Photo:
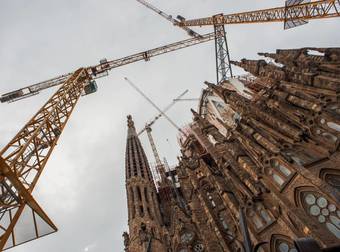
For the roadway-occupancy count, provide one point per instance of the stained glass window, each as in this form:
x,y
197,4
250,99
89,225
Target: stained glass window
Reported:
x,y
324,211
281,172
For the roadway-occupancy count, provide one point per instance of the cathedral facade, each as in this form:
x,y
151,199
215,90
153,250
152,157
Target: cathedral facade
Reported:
x,y
264,146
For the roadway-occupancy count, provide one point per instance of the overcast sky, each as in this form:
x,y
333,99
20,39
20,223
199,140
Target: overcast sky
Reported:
x,y
82,188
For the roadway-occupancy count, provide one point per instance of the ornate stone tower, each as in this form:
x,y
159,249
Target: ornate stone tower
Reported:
x,y
145,224
266,145
272,151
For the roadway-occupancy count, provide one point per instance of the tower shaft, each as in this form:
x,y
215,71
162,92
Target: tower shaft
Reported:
x,y
145,223
223,66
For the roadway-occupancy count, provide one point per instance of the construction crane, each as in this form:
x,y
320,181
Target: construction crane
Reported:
x,y
223,65
101,70
148,130
154,105
164,111
160,167
294,13
24,158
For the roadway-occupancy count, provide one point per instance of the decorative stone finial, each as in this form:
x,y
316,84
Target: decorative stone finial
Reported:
x,y
130,122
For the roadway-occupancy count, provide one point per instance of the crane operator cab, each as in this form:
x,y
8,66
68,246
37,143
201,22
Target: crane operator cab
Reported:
x,y
90,87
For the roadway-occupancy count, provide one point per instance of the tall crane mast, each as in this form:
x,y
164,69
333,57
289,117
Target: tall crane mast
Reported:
x,y
223,64
23,160
222,56
294,13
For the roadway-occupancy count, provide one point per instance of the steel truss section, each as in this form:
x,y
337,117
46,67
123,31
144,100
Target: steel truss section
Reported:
x,y
223,66
23,160
102,69
33,89
304,11
146,55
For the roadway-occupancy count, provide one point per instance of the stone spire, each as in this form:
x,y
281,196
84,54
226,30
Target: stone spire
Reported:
x,y
145,231
137,164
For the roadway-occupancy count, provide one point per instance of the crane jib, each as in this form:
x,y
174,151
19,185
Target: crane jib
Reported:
x,y
104,66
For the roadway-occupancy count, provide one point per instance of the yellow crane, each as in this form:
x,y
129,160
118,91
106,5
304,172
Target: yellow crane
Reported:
x,y
223,66
23,159
294,13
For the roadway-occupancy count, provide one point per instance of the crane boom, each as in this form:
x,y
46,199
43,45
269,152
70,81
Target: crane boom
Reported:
x,y
23,159
289,13
294,10
102,69
154,105
33,89
169,18
149,124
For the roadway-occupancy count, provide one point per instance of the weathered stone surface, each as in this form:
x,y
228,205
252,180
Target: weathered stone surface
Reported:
x,y
274,152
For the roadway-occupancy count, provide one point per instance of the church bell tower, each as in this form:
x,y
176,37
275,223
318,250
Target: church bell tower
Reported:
x,y
145,223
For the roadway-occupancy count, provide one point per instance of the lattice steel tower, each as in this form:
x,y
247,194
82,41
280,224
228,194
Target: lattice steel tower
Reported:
x,y
223,66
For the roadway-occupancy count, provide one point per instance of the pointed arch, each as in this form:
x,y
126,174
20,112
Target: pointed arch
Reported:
x,y
320,208
259,217
281,243
281,172
331,177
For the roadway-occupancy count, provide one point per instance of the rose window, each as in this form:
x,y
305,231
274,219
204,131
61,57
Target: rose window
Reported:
x,y
325,212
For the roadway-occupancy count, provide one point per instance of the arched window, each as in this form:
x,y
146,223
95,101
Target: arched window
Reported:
x,y
259,217
133,210
281,172
139,194
223,217
321,209
146,194
281,243
331,177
